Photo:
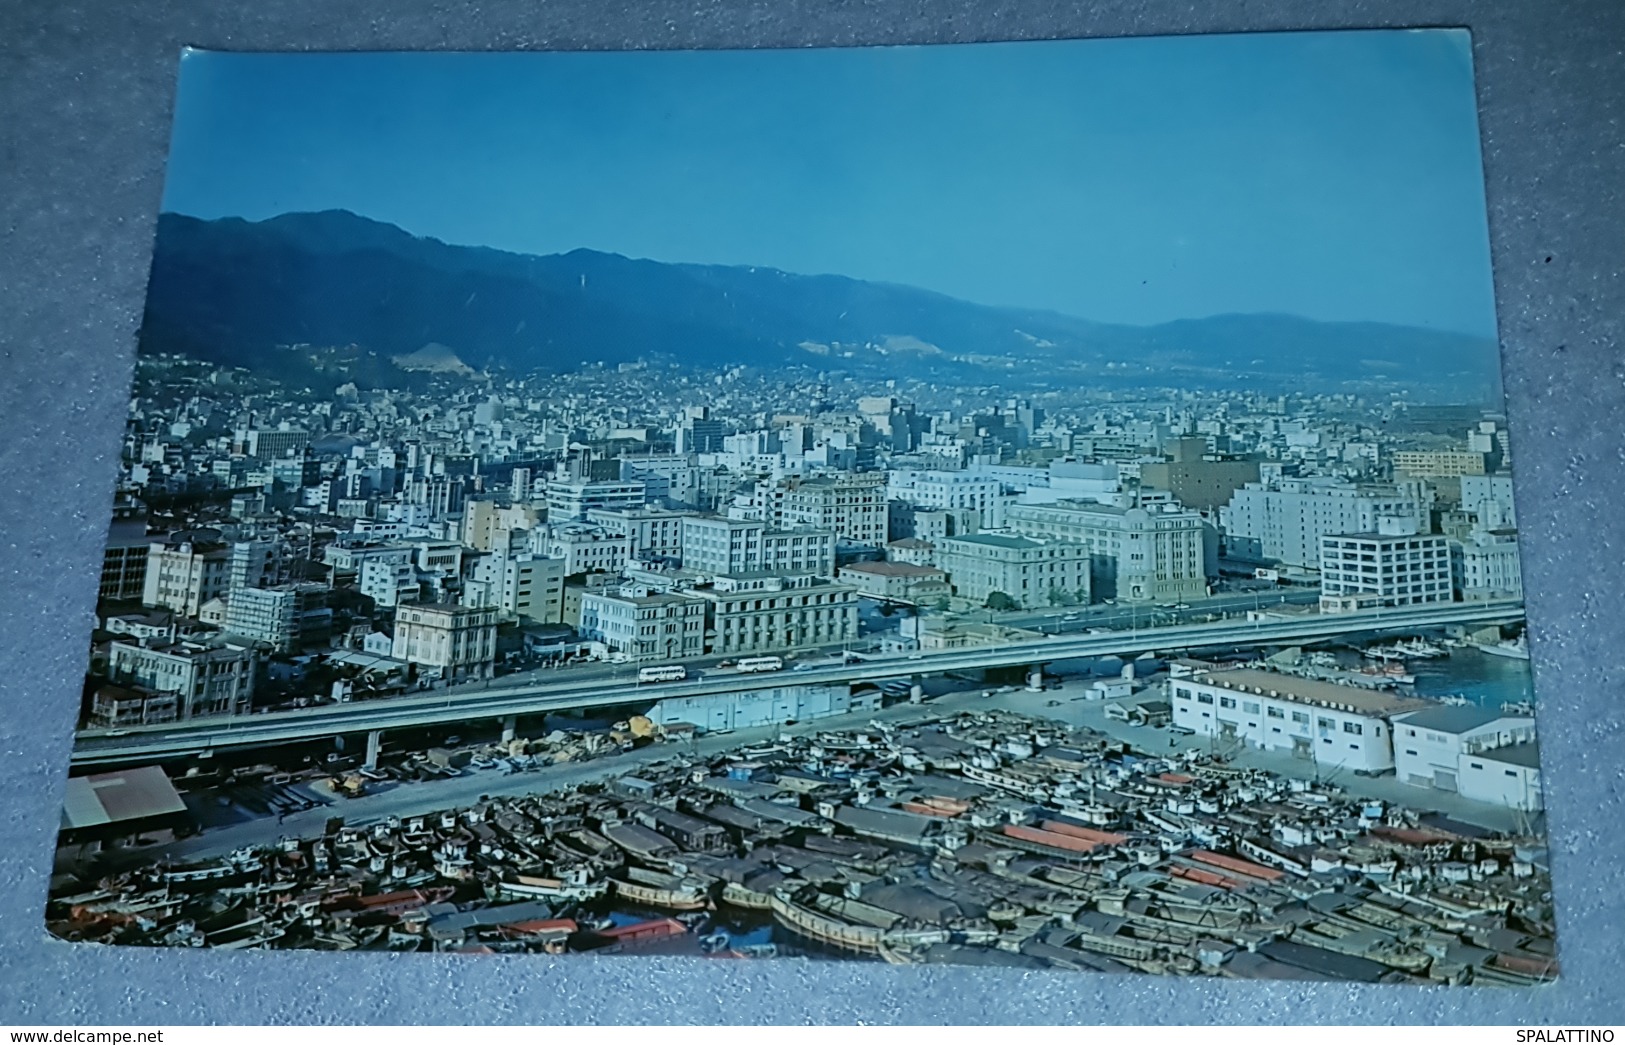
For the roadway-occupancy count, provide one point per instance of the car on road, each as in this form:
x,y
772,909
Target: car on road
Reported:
x,y
1052,703
1184,731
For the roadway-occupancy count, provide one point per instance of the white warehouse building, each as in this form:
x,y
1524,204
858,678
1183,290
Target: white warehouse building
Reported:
x,y
1333,726
1430,745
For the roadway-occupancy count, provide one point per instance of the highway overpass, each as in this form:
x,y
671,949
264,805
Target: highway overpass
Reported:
x,y
499,701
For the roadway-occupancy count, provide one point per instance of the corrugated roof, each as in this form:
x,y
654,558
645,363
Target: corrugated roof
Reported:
x,y
1455,718
128,794
1526,754
1310,691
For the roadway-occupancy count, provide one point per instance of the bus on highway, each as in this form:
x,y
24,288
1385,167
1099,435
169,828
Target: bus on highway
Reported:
x,y
750,664
671,673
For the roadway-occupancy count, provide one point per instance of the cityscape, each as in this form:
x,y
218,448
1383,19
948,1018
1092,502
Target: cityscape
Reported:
x,y
475,600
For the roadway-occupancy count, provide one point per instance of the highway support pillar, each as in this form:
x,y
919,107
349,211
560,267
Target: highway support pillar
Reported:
x,y
510,729
375,743
916,693
1035,680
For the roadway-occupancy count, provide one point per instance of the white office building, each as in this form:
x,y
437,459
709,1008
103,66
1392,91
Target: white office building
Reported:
x,y
1031,572
1485,565
739,546
1283,521
640,625
572,500
1394,566
584,548
1136,554
454,643
981,494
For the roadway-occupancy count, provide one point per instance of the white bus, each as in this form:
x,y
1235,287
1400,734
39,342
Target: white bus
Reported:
x,y
674,673
750,664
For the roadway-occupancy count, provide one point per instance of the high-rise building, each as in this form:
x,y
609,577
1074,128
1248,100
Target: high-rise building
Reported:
x,y
699,432
530,587
1393,565
283,617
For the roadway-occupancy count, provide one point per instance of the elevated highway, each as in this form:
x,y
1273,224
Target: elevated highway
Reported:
x,y
499,701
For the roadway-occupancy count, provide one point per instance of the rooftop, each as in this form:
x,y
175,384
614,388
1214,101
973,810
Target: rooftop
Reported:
x,y
1312,691
994,540
1526,754
1451,718
129,794
892,569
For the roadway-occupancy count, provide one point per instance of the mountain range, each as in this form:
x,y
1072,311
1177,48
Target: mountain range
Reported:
x,y
233,291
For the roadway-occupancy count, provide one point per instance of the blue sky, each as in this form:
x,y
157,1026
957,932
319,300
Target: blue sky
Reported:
x,y
1332,175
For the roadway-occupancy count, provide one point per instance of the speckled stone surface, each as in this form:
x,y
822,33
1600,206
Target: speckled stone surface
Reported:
x,y
85,92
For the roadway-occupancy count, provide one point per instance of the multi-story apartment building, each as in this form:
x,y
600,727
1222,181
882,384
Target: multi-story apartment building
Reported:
x,y
1135,554
455,643
983,495
530,587
184,574
206,679
487,524
768,613
1030,572
571,500
282,617
585,548
391,580
736,546
1437,463
853,507
1394,566
656,533
641,625
1283,521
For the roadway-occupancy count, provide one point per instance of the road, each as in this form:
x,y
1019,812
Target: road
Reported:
x,y
1063,621
417,799
505,698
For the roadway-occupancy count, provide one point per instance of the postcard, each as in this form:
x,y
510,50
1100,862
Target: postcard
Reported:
x,y
1042,505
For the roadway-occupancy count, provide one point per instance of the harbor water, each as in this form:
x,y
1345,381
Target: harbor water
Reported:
x,y
1484,679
